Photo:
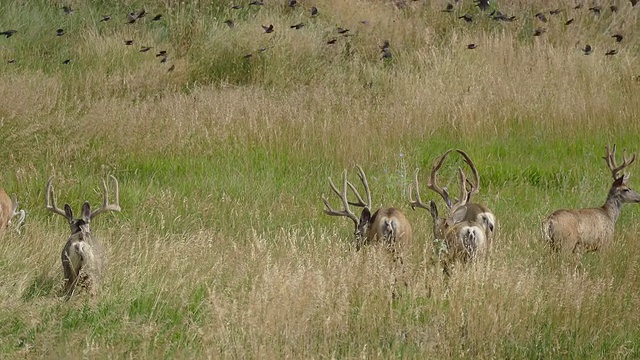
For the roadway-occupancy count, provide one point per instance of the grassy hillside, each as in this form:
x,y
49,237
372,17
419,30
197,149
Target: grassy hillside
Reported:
x,y
222,249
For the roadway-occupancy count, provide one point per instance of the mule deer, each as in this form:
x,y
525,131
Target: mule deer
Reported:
x,y
584,230
9,209
82,256
467,229
386,225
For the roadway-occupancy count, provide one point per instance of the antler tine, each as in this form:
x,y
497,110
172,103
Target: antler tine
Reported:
x,y
610,158
465,196
343,196
105,204
50,199
475,188
361,202
417,202
433,185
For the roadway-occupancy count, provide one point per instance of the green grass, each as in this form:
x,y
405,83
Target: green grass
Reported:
x,y
222,249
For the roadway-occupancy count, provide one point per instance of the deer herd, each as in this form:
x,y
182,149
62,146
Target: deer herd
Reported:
x,y
465,232
462,234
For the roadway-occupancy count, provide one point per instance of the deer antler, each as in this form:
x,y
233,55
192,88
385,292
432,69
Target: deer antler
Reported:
x,y
361,202
417,202
610,158
474,187
105,204
343,196
50,200
437,163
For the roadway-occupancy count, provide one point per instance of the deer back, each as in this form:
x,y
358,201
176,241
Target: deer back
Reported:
x,y
578,230
387,225
474,212
466,241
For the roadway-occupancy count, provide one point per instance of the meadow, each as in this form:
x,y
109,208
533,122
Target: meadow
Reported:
x,y
222,249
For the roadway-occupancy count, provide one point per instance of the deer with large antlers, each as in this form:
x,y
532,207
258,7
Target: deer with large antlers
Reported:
x,y
584,230
467,229
82,256
386,225
9,209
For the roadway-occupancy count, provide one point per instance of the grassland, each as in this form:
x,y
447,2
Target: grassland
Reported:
x,y
222,249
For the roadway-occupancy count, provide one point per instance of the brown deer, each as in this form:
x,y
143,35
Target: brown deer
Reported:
x,y
466,231
82,256
584,230
9,209
386,225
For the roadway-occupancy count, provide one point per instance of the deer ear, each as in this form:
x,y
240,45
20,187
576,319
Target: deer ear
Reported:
x,y
86,212
68,212
458,215
433,209
622,180
365,216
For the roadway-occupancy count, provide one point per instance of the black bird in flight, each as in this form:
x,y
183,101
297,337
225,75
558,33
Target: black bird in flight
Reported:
x,y
8,33
541,17
268,29
539,31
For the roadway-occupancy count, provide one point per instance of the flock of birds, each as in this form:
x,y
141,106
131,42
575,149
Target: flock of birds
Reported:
x,y
487,9
131,18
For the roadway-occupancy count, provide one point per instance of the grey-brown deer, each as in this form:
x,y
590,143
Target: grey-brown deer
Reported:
x,y
387,225
82,256
9,209
583,230
467,229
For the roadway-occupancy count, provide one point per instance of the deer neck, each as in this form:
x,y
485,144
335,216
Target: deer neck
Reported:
x,y
612,207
